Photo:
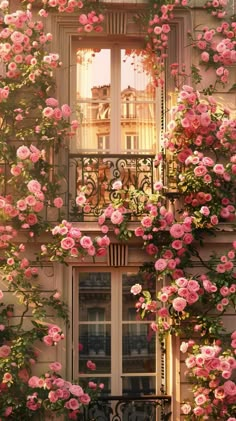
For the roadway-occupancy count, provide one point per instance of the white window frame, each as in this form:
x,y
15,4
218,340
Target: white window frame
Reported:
x,y
116,118
116,321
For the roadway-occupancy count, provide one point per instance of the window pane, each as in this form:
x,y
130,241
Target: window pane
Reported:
x,y
139,348
93,101
138,385
94,296
95,321
148,282
96,346
138,102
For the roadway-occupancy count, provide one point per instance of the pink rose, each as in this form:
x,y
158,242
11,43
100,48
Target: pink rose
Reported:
x,y
48,340
58,202
219,169
91,365
179,303
205,56
186,408
66,111
73,404
23,152
117,185
86,242
205,211
85,399
5,350
55,366
200,171
76,390
230,388
34,186
139,232
177,231
136,289
160,264
33,381
80,199
184,347
117,217
67,243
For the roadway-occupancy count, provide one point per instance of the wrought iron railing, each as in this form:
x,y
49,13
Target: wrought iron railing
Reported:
x,y
130,408
98,173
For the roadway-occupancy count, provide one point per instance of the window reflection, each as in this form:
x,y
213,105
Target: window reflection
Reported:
x,y
94,321
106,78
139,385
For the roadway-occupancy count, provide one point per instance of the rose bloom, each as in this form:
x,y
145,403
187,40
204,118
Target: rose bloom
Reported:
x,y
67,243
91,365
184,347
66,111
136,289
33,381
205,210
181,282
85,399
80,199
5,350
72,404
219,169
23,152
55,366
177,231
200,399
160,264
154,327
76,390
139,232
117,185
75,232
230,388
190,361
179,304
146,222
7,378
200,171
48,340
198,411
86,242
186,408
34,186
58,202
208,352
117,217
151,249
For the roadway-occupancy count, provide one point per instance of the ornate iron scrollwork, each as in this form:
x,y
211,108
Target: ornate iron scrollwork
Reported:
x,y
131,408
97,173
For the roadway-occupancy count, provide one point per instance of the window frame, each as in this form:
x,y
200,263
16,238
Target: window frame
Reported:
x,y
116,113
117,374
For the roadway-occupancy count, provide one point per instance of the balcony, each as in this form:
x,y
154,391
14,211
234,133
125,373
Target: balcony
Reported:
x,y
131,408
98,172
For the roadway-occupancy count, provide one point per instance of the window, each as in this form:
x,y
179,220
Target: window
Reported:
x,y
113,96
103,143
132,142
108,331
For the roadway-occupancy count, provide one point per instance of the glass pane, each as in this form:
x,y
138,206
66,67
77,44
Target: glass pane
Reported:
x,y
139,348
95,296
105,383
93,96
138,102
128,300
139,385
95,345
